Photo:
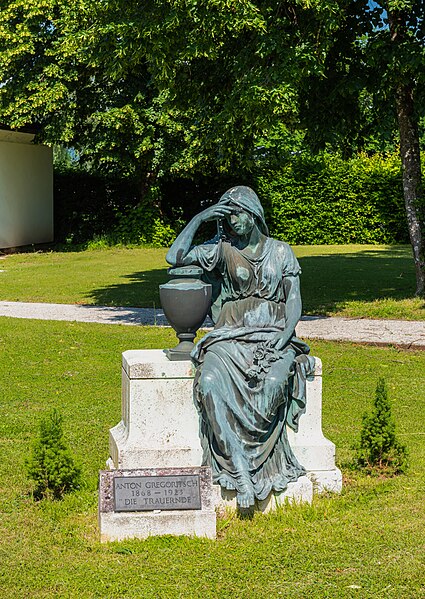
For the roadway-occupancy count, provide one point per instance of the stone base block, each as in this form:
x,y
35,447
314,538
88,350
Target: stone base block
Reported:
x,y
326,480
134,448
118,526
115,524
297,492
314,454
160,428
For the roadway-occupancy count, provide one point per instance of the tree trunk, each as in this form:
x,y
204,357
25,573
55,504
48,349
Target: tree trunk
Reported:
x,y
410,157
412,180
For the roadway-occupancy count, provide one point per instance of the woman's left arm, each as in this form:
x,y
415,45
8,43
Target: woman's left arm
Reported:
x,y
293,308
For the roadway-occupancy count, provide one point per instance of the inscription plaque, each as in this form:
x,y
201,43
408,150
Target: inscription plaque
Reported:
x,y
147,493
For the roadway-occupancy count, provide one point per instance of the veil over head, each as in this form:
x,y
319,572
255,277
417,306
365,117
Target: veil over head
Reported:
x,y
244,197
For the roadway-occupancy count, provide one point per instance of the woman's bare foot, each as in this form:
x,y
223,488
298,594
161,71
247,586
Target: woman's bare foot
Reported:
x,y
245,493
245,500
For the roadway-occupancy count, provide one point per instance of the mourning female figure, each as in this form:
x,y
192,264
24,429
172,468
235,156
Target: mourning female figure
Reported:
x,y
251,368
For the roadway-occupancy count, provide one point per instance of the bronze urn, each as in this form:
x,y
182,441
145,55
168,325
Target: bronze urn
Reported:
x,y
185,300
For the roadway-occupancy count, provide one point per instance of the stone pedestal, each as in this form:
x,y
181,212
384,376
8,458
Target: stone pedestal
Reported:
x,y
158,433
159,428
310,446
300,491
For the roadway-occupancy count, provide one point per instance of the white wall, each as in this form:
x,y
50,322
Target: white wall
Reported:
x,y
26,191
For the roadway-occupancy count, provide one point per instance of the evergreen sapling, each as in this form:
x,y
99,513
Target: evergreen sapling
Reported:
x,y
50,464
379,450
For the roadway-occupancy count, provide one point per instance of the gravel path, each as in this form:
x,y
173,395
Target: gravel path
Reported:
x,y
379,332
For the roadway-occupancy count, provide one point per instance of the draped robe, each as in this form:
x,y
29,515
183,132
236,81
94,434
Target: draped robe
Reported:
x,y
246,392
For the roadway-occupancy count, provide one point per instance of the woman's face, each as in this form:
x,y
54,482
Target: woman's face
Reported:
x,y
240,221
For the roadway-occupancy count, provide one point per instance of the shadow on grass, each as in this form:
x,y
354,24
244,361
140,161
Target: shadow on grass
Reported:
x,y
329,281
142,290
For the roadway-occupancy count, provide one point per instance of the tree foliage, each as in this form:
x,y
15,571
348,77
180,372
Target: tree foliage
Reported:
x,y
353,104
63,69
178,85
187,85
373,91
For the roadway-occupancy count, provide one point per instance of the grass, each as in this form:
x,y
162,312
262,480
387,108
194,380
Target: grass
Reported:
x,y
354,281
367,542
112,277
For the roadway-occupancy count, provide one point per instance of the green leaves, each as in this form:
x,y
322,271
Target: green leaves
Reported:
x,y
191,86
212,76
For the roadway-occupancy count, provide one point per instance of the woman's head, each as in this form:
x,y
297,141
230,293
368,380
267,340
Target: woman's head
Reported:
x,y
240,221
245,201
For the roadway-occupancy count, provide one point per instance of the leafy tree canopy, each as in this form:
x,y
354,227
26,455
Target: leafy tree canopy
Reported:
x,y
177,85
181,84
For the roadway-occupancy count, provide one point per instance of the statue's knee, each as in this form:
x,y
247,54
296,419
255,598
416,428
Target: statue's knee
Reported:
x,y
207,382
273,383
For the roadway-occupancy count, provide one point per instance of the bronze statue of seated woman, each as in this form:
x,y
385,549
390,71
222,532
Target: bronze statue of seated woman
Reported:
x,y
251,368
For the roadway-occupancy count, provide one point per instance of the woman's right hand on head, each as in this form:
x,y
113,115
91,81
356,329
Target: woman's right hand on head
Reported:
x,y
215,212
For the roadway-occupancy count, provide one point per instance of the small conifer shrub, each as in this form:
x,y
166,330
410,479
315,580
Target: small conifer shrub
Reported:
x,y
50,464
379,451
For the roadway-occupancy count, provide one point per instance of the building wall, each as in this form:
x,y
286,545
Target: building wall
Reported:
x,y
26,191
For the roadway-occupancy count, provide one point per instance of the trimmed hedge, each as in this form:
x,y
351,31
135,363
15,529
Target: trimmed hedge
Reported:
x,y
99,210
309,200
86,204
328,200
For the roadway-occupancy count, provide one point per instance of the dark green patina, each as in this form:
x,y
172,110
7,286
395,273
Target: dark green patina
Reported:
x,y
251,368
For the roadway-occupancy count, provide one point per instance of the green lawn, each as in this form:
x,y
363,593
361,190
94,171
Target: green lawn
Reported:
x,y
358,281
367,542
111,277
